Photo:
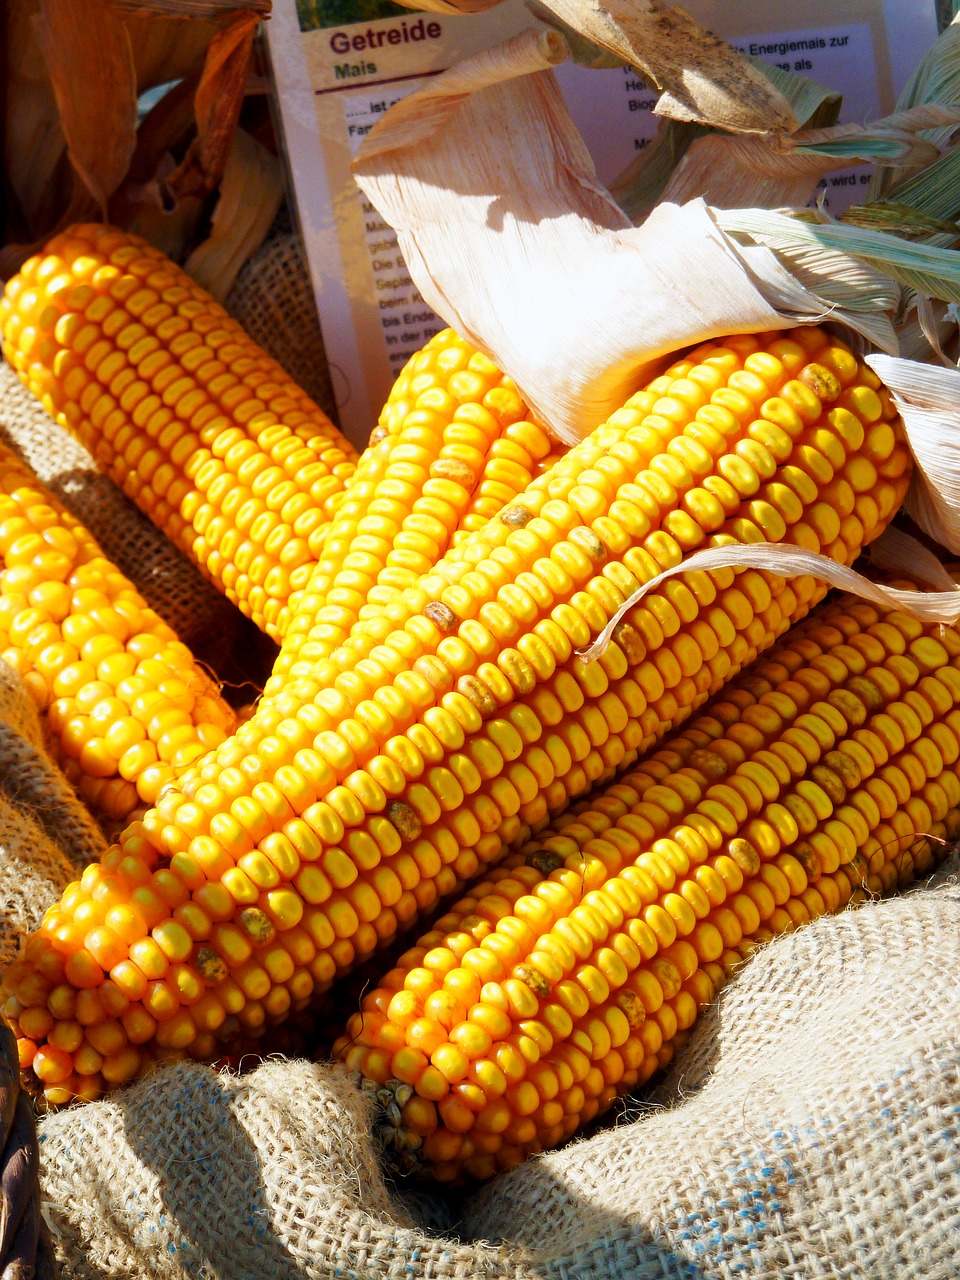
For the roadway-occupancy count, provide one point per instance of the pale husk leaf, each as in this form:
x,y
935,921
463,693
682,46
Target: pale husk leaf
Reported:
x,y
643,183
942,606
784,169
927,268
509,236
88,53
897,554
251,193
928,399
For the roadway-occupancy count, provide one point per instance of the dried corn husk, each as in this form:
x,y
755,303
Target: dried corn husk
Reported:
x,y
98,112
928,397
217,104
643,183
251,193
510,238
701,78
33,142
71,145
785,168
936,79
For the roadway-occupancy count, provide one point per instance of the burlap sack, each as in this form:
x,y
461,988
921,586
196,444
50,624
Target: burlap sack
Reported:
x,y
200,615
809,1129
272,299
46,835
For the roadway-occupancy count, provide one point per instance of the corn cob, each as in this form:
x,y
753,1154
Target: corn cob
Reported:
x,y
194,422
125,705
452,448
463,1137
820,466
831,767
370,783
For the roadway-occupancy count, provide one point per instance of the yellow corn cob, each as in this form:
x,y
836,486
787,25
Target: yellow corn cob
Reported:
x,y
204,431
369,783
533,1098
125,704
785,437
639,694
452,447
554,986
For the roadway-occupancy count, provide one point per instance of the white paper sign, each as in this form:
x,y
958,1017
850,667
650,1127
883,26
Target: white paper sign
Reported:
x,y
334,79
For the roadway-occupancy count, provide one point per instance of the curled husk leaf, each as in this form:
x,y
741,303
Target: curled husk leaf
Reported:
x,y
894,552
510,237
927,397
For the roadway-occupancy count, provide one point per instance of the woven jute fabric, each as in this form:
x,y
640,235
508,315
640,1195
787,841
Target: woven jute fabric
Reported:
x,y
192,606
809,1129
272,299
47,837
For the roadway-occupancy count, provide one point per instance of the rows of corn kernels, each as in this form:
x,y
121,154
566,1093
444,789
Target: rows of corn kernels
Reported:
x,y
624,829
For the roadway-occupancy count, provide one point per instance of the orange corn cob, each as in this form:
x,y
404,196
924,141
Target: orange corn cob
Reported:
x,y
125,704
555,984
369,783
194,422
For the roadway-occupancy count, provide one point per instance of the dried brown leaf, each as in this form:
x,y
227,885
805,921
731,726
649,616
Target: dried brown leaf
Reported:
x,y
88,53
702,78
191,8
165,50
217,105
450,6
35,178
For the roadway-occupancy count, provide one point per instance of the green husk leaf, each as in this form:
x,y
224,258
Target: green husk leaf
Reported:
x,y
813,104
936,79
877,148
899,220
935,190
928,269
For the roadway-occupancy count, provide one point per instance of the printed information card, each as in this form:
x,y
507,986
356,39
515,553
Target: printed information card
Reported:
x,y
338,65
